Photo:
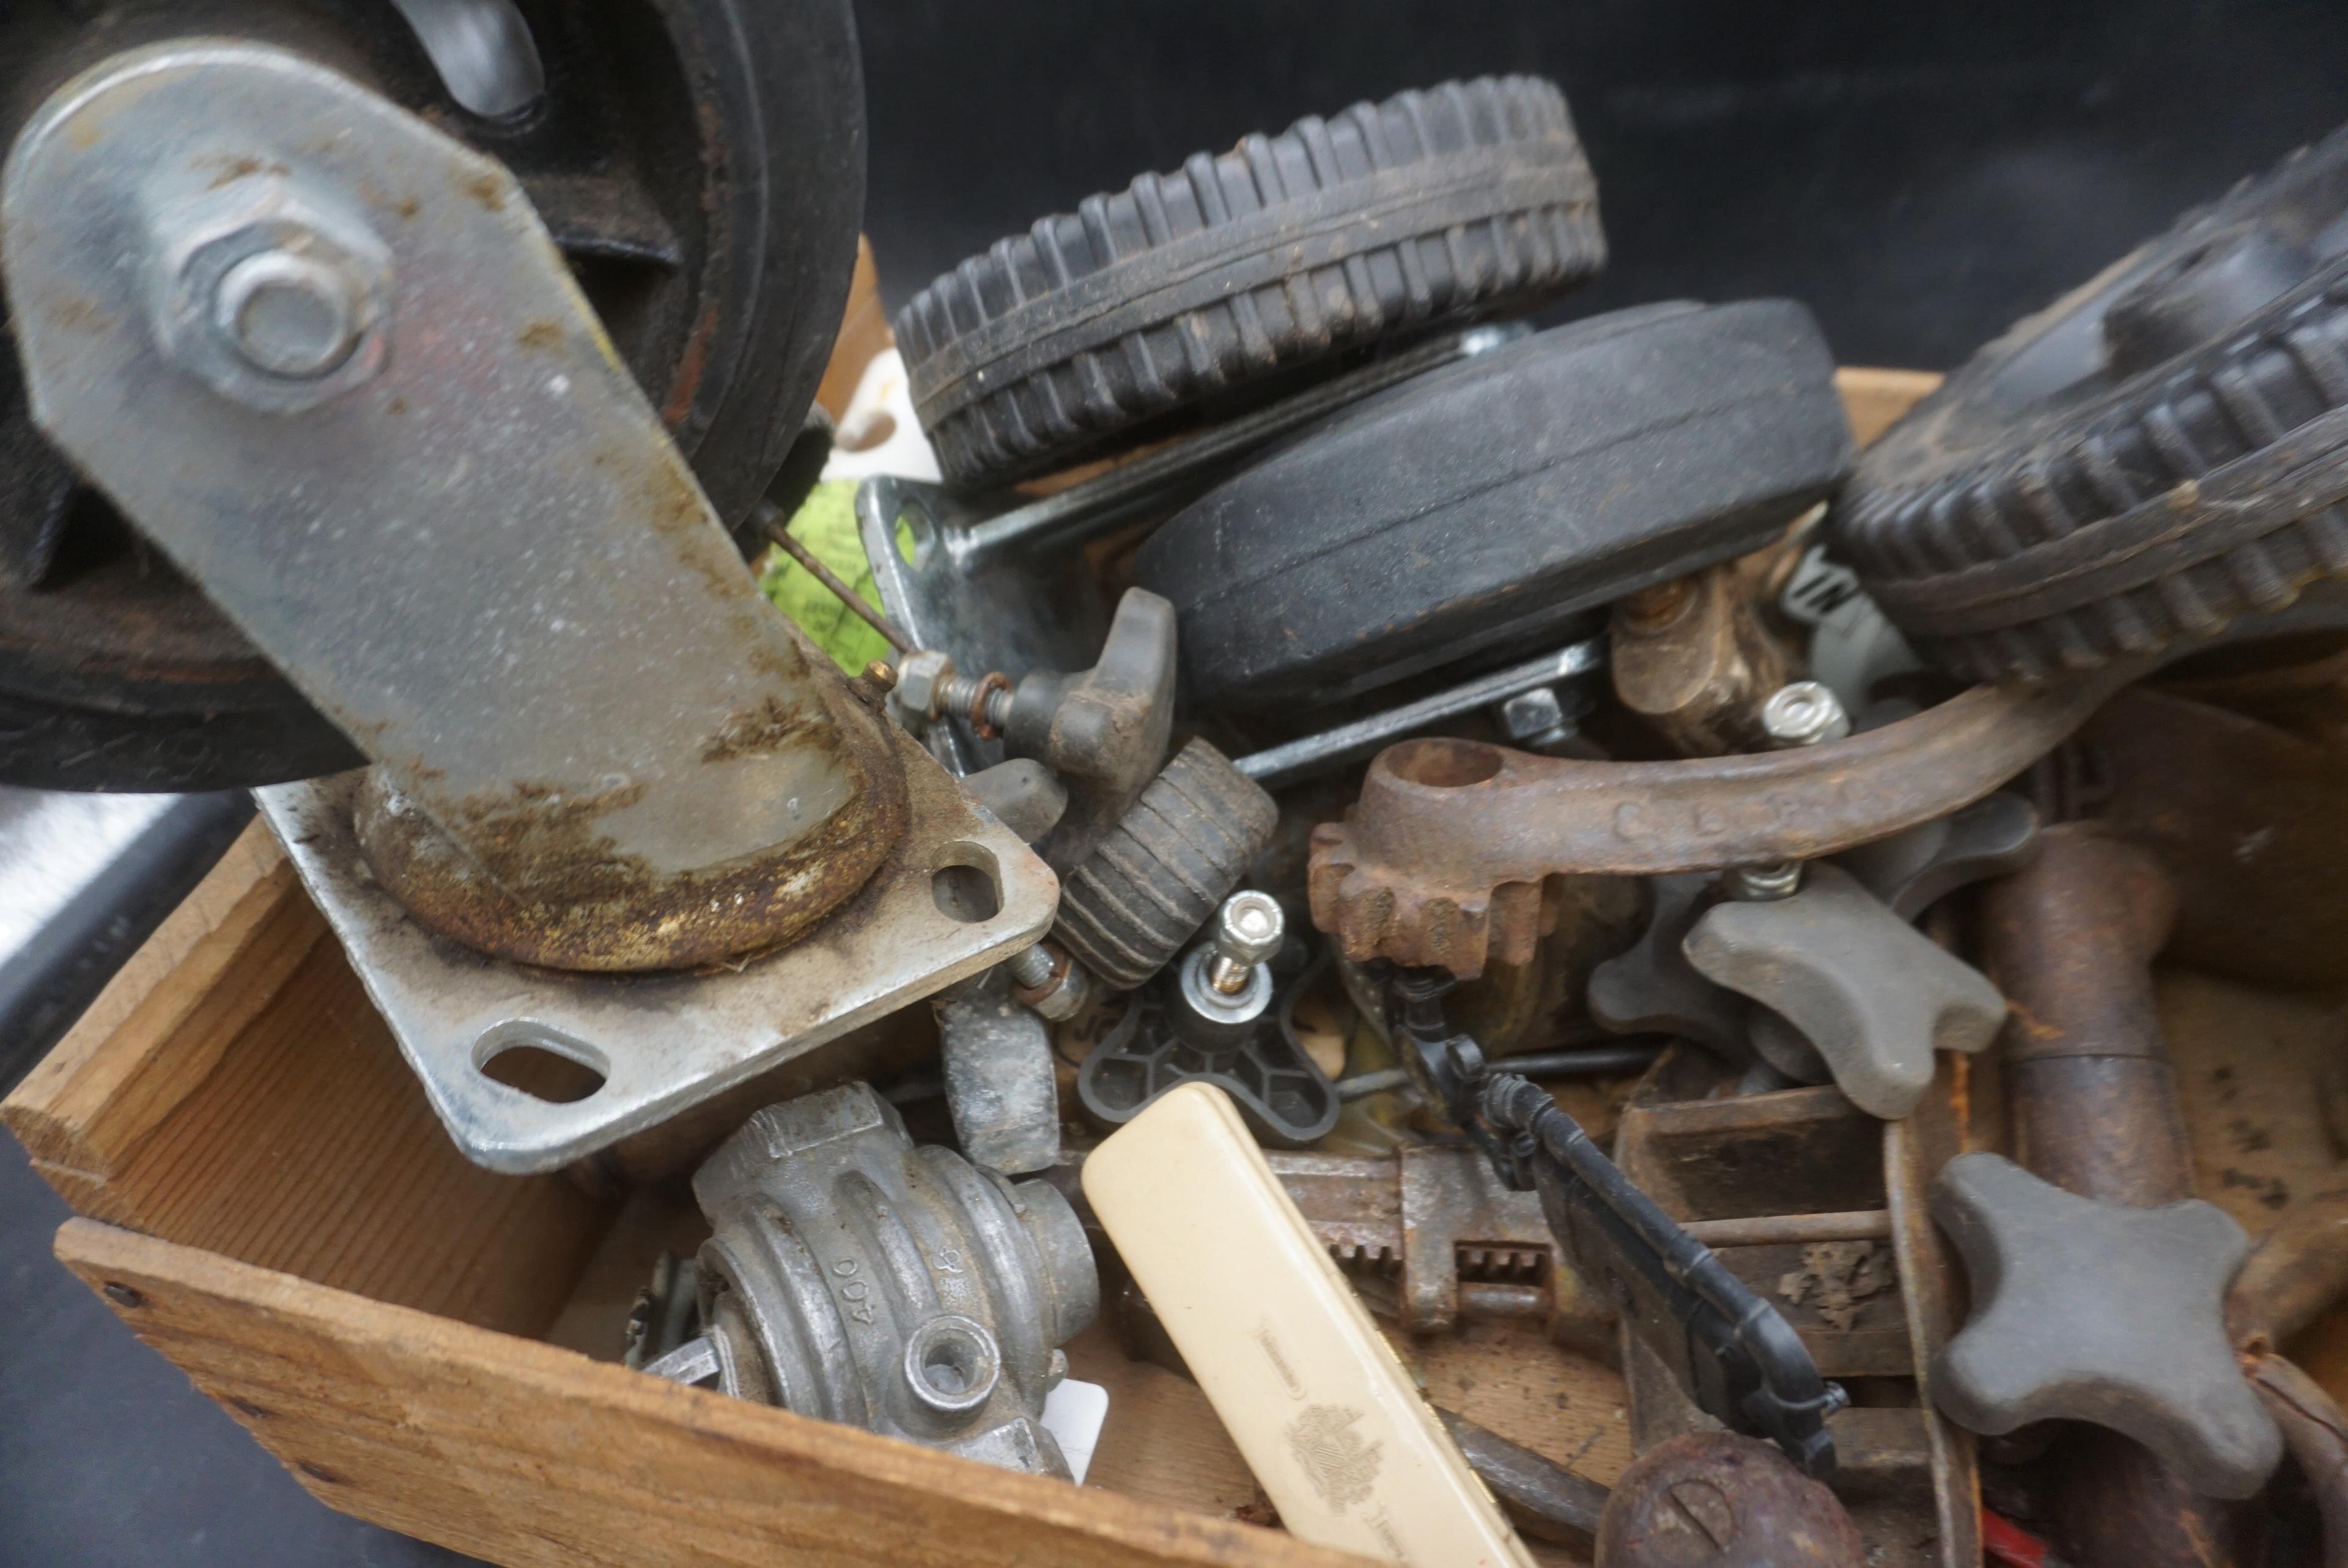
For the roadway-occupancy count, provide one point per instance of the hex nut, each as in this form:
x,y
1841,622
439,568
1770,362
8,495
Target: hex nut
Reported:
x,y
273,298
1049,983
922,679
1249,927
1530,714
1804,713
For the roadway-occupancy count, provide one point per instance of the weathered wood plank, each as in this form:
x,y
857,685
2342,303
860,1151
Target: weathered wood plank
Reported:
x,y
539,1458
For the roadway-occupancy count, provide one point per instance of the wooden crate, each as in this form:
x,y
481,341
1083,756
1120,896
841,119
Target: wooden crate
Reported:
x,y
265,1198
264,1195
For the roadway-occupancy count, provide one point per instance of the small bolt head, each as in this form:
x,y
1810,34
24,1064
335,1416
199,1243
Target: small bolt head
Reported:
x,y
1249,927
275,300
1530,713
1763,883
1805,713
922,678
289,315
1653,609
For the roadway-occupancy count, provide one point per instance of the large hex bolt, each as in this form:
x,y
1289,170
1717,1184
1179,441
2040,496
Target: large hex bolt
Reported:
x,y
273,297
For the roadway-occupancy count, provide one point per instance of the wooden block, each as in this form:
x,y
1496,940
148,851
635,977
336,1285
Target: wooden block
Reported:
x,y
1875,398
538,1457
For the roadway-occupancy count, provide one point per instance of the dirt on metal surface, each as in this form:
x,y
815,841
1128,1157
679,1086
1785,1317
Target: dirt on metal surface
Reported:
x,y
586,905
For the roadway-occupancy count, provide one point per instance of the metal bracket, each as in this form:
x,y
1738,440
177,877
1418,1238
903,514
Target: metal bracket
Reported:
x,y
961,892
1002,589
1315,754
327,358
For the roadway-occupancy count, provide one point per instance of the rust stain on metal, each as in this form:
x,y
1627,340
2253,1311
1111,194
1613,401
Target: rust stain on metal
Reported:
x,y
486,192
542,336
1442,859
691,366
1836,1277
550,885
233,170
767,726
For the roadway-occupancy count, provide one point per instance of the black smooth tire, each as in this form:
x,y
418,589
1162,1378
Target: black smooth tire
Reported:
x,y
700,163
1467,199
1485,505
2162,449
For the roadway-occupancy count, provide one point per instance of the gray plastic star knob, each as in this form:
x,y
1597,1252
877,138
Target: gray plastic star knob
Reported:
x,y
1874,995
2098,1312
1913,870
1652,989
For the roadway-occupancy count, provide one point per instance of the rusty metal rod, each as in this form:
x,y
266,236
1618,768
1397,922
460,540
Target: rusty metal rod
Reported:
x,y
771,522
2069,940
1776,1230
1545,1500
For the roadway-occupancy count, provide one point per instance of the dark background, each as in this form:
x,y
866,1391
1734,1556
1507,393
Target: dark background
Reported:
x,y
1919,174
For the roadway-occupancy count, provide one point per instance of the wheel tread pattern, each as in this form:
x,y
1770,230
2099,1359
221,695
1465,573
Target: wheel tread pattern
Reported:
x,y
1947,556
1433,206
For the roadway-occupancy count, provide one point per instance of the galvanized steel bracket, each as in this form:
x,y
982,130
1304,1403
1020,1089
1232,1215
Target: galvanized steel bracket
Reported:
x,y
664,1042
327,358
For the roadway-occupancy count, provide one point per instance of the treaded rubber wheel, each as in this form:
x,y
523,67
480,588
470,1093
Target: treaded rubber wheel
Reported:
x,y
1467,199
2163,449
1487,505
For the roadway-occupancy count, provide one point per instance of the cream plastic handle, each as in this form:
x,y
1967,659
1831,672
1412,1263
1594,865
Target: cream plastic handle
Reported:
x,y
1302,1379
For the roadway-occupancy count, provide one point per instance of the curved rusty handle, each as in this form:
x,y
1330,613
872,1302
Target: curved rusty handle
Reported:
x,y
1441,861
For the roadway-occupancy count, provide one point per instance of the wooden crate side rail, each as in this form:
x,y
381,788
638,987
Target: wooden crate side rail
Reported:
x,y
161,1025
530,1455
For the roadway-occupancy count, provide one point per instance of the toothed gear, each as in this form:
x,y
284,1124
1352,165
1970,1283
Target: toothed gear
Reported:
x,y
2161,451
1468,198
1375,912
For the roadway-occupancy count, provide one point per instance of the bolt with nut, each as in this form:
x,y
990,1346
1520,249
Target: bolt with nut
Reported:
x,y
1046,980
929,687
274,293
1249,929
1805,713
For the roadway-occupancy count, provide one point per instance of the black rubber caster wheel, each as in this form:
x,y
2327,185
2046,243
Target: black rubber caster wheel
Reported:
x,y
1468,198
2161,450
1487,505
